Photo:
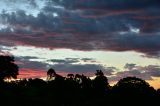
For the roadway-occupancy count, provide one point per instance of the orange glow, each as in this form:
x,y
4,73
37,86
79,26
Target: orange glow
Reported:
x,y
30,73
155,82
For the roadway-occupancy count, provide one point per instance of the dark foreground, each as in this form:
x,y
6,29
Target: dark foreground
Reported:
x,y
78,91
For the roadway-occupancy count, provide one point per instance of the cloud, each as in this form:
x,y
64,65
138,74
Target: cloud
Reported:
x,y
87,69
65,61
146,72
31,73
35,68
84,25
79,4
68,65
129,66
74,65
72,60
29,62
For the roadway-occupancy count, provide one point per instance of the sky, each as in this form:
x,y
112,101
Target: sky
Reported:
x,y
120,37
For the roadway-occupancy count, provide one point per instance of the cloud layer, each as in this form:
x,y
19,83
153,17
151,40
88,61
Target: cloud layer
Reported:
x,y
127,25
67,65
144,72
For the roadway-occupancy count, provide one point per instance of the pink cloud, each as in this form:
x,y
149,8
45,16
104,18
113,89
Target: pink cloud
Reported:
x,y
32,73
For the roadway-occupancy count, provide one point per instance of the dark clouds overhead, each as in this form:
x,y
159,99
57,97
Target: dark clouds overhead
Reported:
x,y
109,25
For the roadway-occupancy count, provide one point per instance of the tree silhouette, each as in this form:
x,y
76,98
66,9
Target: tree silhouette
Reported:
x,y
8,69
133,86
50,74
78,90
71,76
100,83
132,82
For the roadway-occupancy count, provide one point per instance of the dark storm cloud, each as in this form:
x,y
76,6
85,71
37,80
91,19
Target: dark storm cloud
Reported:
x,y
25,23
73,4
148,44
126,25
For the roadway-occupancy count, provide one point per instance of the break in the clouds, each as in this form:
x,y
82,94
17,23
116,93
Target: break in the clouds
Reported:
x,y
126,25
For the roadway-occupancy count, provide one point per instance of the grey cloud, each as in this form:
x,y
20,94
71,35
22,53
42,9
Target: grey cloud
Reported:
x,y
22,21
129,66
61,65
65,61
24,62
71,29
79,68
72,60
88,60
146,72
73,65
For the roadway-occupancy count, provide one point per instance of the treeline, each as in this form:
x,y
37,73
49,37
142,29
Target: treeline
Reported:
x,y
72,90
78,90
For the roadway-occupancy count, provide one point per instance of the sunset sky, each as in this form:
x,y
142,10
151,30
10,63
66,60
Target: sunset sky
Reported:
x,y
120,37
